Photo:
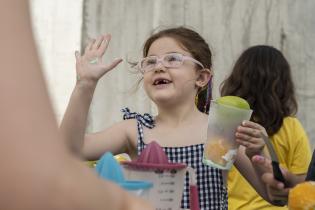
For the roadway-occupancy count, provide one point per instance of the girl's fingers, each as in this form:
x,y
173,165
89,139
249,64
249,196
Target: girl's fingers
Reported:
x,y
279,193
262,161
255,139
243,136
104,44
277,198
251,148
96,47
249,131
89,45
276,194
251,124
273,184
255,126
98,42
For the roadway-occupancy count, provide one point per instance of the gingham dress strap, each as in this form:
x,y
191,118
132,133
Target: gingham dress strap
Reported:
x,y
142,120
146,119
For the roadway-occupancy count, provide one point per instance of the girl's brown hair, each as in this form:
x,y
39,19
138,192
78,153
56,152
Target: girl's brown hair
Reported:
x,y
199,49
262,76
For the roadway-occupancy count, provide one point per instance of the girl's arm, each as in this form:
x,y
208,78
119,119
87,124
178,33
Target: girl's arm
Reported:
x,y
74,121
251,173
117,139
250,137
90,68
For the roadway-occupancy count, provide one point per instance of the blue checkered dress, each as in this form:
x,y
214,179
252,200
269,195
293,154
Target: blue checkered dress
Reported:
x,y
212,192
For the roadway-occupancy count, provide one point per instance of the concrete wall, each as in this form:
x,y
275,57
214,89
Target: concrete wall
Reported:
x,y
229,26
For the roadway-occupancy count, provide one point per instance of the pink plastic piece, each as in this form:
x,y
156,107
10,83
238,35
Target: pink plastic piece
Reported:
x,y
194,198
153,157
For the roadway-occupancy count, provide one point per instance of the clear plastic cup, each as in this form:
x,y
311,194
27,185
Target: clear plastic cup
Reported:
x,y
221,148
168,186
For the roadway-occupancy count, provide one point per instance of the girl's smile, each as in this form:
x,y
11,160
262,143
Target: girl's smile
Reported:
x,y
161,82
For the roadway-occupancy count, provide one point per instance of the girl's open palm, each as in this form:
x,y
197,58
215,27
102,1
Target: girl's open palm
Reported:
x,y
90,66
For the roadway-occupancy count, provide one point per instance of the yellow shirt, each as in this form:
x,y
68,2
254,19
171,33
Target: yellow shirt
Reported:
x,y
293,150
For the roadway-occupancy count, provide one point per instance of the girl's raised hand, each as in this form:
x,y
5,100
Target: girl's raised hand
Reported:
x,y
90,66
251,135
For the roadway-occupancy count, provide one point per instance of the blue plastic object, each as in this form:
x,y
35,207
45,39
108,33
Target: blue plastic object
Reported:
x,y
136,185
108,168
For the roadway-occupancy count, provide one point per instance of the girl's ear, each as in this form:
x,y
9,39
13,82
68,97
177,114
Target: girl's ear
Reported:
x,y
203,77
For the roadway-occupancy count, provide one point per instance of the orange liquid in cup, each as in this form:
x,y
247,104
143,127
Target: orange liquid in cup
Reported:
x,y
216,151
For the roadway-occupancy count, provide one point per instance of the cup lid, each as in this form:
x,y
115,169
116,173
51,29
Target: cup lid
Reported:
x,y
233,101
153,157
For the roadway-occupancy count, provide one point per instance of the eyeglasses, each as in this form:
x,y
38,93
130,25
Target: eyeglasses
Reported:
x,y
170,60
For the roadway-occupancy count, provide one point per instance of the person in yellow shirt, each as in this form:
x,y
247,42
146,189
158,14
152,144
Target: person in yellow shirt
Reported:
x,y
262,76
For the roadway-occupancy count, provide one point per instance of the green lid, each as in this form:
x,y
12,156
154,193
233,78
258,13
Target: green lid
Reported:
x,y
234,101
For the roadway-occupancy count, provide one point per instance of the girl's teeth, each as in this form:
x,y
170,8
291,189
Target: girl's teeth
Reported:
x,y
163,81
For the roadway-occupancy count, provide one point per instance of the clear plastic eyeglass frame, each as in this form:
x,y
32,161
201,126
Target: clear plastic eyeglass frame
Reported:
x,y
170,60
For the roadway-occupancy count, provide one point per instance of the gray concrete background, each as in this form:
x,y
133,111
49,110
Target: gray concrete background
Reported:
x,y
229,26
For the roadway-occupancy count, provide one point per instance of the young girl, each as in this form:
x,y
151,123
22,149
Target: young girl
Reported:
x,y
262,76
176,68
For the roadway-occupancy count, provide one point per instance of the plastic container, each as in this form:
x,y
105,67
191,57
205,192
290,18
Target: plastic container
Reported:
x,y
221,148
167,178
108,168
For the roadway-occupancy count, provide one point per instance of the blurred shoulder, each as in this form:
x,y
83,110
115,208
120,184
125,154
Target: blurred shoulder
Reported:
x,y
292,122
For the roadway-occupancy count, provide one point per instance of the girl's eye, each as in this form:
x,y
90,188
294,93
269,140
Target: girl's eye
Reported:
x,y
173,58
149,61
